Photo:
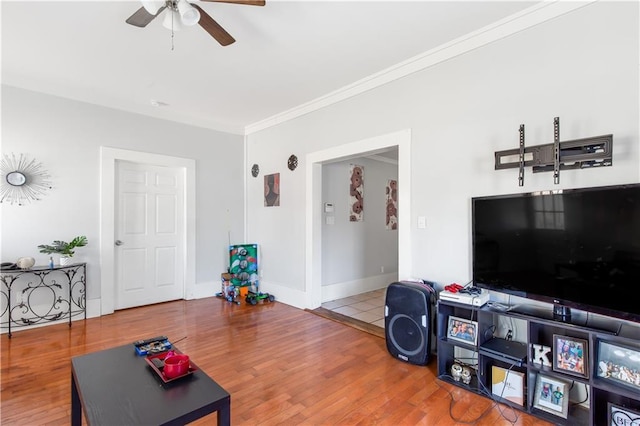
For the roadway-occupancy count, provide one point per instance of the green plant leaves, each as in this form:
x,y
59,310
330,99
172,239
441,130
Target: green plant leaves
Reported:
x,y
64,248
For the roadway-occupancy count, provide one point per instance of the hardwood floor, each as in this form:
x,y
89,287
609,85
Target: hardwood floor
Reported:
x,y
281,365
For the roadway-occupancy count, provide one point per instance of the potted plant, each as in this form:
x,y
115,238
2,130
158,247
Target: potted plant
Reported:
x,y
63,248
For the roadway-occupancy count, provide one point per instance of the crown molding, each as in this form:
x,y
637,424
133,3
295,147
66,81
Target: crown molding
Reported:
x,y
525,19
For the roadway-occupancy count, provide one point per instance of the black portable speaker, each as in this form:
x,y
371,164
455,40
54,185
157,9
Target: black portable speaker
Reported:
x,y
407,321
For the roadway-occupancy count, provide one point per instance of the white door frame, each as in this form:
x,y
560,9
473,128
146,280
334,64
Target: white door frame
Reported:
x,y
313,231
108,158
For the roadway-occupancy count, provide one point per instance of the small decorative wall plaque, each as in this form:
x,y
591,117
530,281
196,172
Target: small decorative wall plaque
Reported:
x,y
292,162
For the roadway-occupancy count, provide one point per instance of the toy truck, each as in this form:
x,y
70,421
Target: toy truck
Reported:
x,y
254,297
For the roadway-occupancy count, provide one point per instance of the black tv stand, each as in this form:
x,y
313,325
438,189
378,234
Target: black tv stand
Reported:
x,y
561,313
590,394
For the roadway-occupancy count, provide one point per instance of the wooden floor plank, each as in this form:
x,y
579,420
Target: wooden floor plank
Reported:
x,y
281,365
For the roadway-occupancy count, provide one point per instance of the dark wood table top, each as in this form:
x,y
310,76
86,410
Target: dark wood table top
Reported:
x,y
117,387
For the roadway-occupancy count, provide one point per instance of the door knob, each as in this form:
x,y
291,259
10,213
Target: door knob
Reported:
x,y
119,243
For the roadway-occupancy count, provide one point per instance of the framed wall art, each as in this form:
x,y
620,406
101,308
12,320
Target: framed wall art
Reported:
x,y
392,204
462,330
618,363
356,193
571,355
621,416
272,190
552,395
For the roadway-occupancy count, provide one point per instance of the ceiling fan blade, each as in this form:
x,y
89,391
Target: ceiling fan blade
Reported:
x,y
213,28
141,17
245,2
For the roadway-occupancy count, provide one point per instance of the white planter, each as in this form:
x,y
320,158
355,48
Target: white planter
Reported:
x,y
64,261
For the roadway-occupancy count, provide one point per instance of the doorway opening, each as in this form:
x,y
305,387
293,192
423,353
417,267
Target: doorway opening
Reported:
x,y
359,235
313,261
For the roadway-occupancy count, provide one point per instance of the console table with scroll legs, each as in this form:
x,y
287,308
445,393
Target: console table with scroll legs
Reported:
x,y
42,294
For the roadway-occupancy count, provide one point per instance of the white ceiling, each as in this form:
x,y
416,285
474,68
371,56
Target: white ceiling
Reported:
x,y
286,54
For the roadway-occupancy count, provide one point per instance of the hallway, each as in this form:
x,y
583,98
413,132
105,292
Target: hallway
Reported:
x,y
367,307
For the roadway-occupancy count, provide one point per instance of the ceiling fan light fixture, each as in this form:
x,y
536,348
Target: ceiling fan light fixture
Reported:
x,y
152,6
172,21
181,13
189,14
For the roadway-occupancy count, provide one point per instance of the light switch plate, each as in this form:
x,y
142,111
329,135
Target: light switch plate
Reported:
x,y
422,222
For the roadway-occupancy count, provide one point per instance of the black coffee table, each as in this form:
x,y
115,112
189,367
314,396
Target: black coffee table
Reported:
x,y
117,387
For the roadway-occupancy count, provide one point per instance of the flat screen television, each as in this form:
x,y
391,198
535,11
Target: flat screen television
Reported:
x,y
573,248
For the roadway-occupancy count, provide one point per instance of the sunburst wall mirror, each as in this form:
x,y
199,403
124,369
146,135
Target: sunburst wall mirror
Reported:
x,y
23,179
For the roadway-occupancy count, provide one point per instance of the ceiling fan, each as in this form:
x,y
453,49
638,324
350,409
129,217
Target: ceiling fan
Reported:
x,y
183,12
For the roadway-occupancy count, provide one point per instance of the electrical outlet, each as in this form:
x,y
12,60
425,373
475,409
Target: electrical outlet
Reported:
x,y
382,269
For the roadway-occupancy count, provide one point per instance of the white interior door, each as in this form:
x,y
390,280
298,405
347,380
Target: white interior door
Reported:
x,y
149,234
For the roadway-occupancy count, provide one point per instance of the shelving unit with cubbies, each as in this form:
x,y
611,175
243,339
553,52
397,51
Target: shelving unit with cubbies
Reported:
x,y
592,394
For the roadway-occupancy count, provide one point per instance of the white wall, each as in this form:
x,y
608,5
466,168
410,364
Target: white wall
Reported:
x,y
582,67
354,254
66,137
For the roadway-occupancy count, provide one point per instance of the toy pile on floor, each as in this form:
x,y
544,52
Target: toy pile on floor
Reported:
x,y
241,279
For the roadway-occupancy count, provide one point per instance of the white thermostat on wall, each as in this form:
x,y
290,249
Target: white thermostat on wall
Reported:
x,y
328,207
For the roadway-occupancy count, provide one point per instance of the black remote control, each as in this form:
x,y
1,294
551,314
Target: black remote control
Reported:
x,y
147,341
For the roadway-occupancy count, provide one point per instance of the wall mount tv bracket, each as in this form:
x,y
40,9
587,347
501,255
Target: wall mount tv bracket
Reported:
x,y
574,154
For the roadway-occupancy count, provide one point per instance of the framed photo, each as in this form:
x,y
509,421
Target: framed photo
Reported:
x,y
508,384
620,416
571,355
619,364
272,190
462,330
552,395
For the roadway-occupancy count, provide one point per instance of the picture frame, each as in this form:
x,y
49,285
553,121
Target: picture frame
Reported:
x,y
552,395
619,364
462,330
272,190
622,416
508,384
571,355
